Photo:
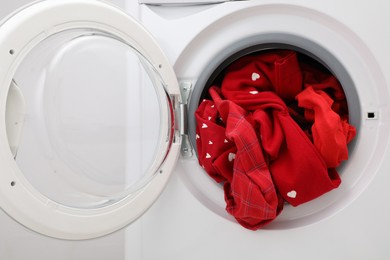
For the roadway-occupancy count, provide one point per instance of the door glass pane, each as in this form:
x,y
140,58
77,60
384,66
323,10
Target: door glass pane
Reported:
x,y
92,121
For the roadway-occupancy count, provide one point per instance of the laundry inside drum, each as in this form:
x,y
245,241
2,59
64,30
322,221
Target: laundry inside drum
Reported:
x,y
86,140
273,129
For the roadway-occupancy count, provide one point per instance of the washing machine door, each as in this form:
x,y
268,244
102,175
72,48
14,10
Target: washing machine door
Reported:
x,y
87,130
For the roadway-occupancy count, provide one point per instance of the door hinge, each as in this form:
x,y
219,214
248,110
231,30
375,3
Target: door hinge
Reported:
x,y
185,91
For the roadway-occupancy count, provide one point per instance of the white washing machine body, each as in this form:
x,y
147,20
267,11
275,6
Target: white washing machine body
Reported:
x,y
350,38
188,220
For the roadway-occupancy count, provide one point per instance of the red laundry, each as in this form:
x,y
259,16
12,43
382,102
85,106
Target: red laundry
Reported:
x,y
330,133
276,71
231,153
247,125
323,80
298,170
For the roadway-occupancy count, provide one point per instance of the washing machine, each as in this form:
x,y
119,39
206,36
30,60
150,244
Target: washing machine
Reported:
x,y
98,128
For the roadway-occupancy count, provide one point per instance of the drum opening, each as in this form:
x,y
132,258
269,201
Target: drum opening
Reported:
x,y
317,58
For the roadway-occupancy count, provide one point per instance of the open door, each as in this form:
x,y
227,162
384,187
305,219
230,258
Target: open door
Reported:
x,y
87,130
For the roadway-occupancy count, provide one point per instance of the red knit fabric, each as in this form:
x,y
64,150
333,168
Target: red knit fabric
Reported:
x,y
330,133
297,168
276,71
323,80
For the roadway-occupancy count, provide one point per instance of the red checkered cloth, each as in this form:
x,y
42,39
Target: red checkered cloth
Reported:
x,y
229,150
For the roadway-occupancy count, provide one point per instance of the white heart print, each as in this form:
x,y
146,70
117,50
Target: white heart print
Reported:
x,y
204,125
255,76
292,194
254,92
231,156
208,156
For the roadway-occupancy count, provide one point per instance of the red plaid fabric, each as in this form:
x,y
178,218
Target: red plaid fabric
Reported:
x,y
250,193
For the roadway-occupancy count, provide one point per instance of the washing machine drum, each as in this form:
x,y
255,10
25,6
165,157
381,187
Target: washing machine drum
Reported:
x,y
87,130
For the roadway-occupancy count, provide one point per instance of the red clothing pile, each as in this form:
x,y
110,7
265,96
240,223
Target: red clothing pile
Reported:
x,y
274,131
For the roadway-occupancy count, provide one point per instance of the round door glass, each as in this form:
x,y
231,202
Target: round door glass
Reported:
x,y
91,119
